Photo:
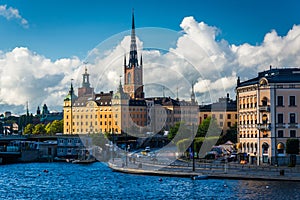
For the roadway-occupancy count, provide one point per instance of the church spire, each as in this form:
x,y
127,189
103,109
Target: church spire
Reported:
x,y
133,72
85,78
133,61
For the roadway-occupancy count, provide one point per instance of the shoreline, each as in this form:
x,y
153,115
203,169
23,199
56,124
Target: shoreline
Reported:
x,y
186,172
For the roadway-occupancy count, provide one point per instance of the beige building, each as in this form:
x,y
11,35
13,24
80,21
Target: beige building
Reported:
x,y
224,111
268,114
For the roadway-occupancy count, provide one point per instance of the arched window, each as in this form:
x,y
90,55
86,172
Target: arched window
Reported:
x,y
264,101
264,119
265,148
280,148
129,78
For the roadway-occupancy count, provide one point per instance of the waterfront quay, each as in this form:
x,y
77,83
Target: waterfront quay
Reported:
x,y
180,168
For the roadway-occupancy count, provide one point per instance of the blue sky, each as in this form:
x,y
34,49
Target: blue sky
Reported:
x,y
61,28
44,43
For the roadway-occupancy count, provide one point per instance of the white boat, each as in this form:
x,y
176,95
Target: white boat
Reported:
x,y
199,177
87,161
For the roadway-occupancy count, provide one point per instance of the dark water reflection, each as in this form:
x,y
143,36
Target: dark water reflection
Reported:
x,y
96,181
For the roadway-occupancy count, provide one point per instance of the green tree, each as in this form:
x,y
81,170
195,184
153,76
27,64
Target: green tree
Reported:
x,y
231,134
55,127
180,129
208,125
39,129
292,146
28,129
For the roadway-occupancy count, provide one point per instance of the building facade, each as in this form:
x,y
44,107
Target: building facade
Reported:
x,y
224,111
268,114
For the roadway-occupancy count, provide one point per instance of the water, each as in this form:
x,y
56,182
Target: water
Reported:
x,y
97,181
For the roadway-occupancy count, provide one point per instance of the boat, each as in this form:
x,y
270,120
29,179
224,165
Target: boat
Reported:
x,y
85,157
85,161
199,177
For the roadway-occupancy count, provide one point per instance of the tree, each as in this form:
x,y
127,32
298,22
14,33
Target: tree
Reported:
x,y
231,134
28,129
54,127
180,129
39,129
208,125
292,146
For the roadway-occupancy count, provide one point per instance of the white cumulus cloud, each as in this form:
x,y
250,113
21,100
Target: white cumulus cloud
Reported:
x,y
197,57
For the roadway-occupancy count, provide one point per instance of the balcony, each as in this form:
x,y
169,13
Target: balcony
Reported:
x,y
293,125
266,127
264,108
280,125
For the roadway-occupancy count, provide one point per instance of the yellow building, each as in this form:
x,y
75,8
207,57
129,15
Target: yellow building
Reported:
x,y
224,111
268,114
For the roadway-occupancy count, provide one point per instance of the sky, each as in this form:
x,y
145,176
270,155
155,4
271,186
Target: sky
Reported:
x,y
44,43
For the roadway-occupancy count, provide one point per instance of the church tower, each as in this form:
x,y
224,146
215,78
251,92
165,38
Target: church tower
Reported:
x,y
85,89
133,71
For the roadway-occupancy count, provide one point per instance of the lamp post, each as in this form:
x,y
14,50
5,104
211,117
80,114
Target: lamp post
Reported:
x,y
126,162
193,148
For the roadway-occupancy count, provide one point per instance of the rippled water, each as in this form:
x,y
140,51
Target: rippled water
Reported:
x,y
97,181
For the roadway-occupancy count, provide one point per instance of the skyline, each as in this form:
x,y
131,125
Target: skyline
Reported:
x,y
37,45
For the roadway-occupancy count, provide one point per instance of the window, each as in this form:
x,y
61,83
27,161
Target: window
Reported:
x,y
292,101
292,133
221,116
280,134
264,101
228,116
221,124
279,100
205,116
292,118
280,148
229,124
213,116
264,119
280,118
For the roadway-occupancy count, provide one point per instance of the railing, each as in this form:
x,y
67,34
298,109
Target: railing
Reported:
x,y
264,108
293,125
266,127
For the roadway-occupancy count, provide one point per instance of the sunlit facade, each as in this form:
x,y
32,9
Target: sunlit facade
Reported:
x,y
268,114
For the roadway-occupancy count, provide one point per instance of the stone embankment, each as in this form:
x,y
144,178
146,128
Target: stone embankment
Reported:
x,y
210,170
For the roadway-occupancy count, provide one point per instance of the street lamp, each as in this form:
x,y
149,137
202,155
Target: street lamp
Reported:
x,y
193,147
